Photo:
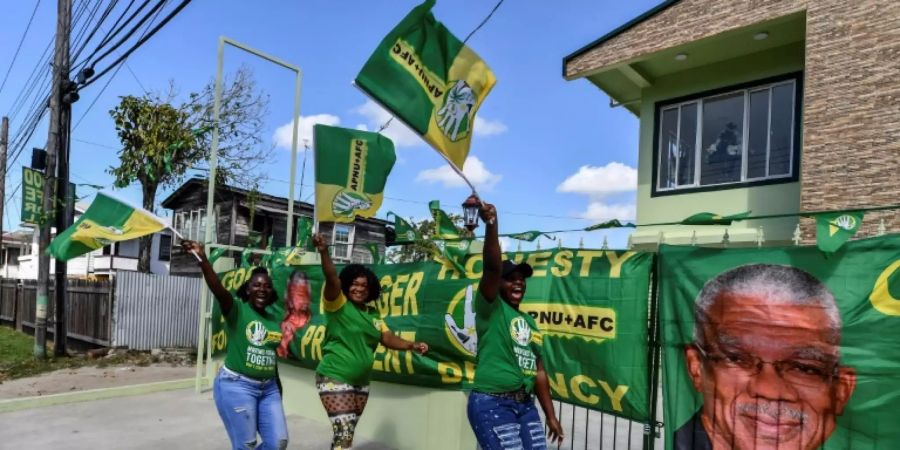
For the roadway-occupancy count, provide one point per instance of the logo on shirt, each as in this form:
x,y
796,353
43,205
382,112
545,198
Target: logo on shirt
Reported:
x,y
520,331
258,334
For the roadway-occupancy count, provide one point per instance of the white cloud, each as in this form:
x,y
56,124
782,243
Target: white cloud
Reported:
x,y
284,135
598,181
600,212
505,244
377,116
486,127
474,170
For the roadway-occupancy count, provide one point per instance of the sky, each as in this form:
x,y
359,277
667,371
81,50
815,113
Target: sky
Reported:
x,y
549,153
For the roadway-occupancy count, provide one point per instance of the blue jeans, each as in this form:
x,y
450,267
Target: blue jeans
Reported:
x,y
248,406
505,424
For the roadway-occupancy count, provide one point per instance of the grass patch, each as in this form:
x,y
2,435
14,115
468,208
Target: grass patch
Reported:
x,y
17,357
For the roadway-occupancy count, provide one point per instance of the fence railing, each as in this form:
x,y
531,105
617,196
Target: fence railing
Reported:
x,y
87,315
135,310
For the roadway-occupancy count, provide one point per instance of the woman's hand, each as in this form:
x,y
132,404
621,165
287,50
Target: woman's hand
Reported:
x,y
319,242
193,247
487,212
554,430
420,347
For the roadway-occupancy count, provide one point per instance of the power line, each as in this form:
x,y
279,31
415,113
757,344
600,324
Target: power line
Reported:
x,y
130,32
19,47
140,42
96,28
119,67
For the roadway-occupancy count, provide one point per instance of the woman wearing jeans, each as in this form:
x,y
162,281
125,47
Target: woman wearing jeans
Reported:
x,y
509,369
246,388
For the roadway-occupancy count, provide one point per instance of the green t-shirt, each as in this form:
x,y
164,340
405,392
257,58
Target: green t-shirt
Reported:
x,y
351,337
252,340
509,344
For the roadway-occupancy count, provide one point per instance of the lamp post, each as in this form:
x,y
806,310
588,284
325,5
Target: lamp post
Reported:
x,y
470,213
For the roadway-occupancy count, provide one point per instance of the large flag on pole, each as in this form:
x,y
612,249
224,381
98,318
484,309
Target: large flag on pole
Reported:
x,y
108,219
352,167
430,80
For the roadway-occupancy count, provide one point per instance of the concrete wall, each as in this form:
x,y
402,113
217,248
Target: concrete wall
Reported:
x,y
770,199
402,417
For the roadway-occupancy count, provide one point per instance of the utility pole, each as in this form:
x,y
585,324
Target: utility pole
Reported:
x,y
4,141
64,212
59,85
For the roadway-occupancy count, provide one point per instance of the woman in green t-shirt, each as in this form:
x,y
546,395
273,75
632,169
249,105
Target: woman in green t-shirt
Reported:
x,y
246,389
353,332
509,370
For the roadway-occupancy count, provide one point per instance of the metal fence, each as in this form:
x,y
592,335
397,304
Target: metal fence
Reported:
x,y
135,310
153,311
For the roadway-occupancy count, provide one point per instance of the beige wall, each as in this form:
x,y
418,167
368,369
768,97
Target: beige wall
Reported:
x,y
402,417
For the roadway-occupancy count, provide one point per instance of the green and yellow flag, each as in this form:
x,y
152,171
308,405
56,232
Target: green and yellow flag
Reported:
x,y
835,229
614,223
706,218
107,220
352,167
455,253
529,236
430,80
403,230
444,228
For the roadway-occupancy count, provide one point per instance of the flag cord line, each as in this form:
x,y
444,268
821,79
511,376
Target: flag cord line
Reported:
x,y
483,21
630,225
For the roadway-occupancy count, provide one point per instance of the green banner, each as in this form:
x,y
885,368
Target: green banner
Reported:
x,y
781,347
33,194
592,306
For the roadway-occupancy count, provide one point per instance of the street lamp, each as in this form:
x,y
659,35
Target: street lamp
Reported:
x,y
470,212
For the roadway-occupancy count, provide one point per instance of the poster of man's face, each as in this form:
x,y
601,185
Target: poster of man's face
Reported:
x,y
766,360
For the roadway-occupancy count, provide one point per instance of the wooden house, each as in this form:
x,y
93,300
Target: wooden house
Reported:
x,y
232,225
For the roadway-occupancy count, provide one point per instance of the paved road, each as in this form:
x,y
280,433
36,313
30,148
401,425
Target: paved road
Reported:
x,y
177,419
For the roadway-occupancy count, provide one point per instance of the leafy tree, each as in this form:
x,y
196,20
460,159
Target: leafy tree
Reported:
x,y
162,141
424,249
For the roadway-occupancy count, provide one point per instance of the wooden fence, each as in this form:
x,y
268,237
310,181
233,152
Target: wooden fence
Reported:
x,y
88,314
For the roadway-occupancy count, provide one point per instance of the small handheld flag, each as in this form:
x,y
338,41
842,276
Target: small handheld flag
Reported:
x,y
352,167
108,219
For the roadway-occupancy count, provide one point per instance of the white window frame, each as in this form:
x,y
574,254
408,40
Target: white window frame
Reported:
x,y
698,150
351,236
192,223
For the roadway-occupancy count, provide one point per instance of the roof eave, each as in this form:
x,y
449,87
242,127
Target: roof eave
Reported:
x,y
621,29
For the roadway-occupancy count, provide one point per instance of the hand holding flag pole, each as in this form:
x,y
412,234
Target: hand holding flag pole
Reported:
x,y
181,238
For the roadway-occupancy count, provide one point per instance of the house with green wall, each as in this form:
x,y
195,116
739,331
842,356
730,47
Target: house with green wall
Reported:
x,y
770,106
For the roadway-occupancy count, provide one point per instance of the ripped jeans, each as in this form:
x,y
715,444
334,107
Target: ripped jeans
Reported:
x,y
505,424
248,406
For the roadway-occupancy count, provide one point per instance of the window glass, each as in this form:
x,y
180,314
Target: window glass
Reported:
x,y
723,128
759,133
781,140
165,247
687,144
668,138
341,240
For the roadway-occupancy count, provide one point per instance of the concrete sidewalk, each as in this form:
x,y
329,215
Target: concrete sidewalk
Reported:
x,y
179,419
